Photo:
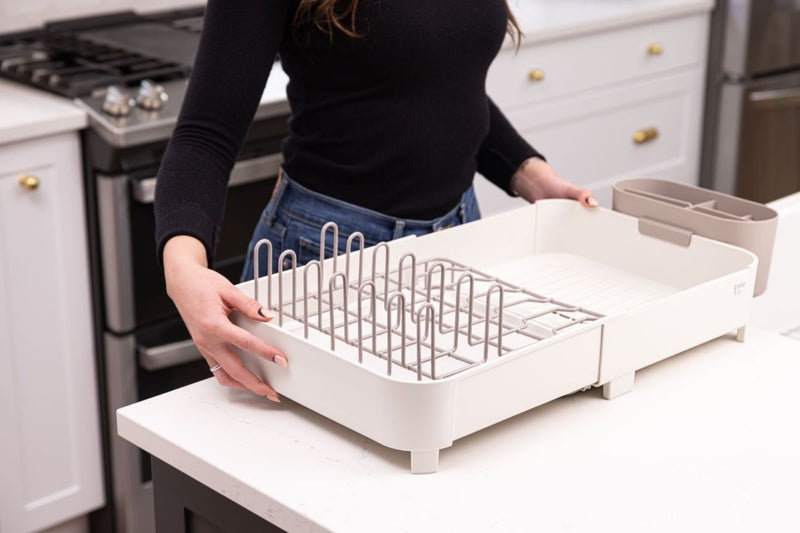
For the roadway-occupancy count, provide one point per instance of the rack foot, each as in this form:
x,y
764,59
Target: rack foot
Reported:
x,y
426,462
619,386
741,333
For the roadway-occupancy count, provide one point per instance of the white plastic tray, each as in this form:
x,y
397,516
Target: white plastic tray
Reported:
x,y
658,299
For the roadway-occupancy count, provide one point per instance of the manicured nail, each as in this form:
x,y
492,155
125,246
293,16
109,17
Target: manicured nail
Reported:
x,y
592,202
274,398
280,360
263,313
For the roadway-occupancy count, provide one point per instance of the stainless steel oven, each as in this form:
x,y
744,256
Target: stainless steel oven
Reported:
x,y
752,129
146,349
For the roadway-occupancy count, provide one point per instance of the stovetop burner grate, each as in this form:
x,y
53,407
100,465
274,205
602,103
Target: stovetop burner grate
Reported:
x,y
70,65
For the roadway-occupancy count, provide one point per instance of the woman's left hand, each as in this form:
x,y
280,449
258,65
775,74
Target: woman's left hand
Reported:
x,y
536,180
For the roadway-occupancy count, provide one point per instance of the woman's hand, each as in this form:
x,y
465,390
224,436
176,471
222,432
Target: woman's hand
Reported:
x,y
536,180
205,299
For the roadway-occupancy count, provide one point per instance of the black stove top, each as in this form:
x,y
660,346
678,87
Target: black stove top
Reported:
x,y
86,56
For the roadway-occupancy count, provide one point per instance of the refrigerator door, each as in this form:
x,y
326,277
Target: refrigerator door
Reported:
x,y
769,158
760,36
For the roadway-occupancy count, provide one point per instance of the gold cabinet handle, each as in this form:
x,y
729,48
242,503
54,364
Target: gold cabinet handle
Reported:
x,y
29,183
655,49
536,75
645,136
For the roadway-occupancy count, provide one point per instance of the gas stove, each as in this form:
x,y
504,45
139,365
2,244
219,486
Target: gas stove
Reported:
x,y
128,71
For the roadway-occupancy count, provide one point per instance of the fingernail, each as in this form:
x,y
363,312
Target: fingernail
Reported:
x,y
592,202
280,360
274,398
264,313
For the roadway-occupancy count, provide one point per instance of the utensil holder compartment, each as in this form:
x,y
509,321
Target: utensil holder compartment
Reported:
x,y
711,214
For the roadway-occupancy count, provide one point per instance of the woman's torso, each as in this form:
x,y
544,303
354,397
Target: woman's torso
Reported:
x,y
393,121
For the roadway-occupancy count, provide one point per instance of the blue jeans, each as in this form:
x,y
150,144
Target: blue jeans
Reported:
x,y
295,215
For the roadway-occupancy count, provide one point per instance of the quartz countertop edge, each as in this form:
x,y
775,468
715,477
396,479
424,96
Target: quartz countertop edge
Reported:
x,y
546,20
304,473
27,113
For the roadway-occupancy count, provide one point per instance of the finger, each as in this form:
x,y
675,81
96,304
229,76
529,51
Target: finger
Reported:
x,y
222,377
584,196
235,369
236,299
250,343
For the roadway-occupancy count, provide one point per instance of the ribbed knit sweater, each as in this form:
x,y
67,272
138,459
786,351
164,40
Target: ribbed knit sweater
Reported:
x,y
397,121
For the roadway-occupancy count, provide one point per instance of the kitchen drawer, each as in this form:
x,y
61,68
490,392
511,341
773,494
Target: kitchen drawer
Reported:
x,y
593,61
590,139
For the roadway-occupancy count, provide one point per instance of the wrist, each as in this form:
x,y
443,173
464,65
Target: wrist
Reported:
x,y
181,251
526,173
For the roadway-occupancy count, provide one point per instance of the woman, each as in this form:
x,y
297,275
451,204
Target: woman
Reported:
x,y
390,121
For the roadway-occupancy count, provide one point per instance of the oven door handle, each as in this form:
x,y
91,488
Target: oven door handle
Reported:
x,y
247,171
776,97
167,355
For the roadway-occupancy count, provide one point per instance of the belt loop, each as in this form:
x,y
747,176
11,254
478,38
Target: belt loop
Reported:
x,y
277,193
462,212
399,228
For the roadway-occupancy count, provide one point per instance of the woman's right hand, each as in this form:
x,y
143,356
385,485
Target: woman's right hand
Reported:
x,y
205,299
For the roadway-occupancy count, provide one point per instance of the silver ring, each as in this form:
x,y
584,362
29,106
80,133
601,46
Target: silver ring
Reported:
x,y
215,368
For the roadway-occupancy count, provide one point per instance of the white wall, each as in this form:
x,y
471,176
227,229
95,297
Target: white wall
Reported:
x,y
16,15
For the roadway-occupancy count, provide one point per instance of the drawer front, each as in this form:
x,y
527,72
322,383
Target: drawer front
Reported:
x,y
558,68
640,130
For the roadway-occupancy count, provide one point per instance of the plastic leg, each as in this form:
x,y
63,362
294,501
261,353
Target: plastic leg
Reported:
x,y
741,333
619,386
426,462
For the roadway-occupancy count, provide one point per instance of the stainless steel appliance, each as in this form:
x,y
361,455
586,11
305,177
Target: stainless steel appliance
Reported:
x,y
752,135
129,72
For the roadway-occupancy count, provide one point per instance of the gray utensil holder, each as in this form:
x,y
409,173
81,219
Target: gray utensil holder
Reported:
x,y
674,212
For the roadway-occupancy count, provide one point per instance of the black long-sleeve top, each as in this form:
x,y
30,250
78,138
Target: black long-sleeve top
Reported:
x,y
397,121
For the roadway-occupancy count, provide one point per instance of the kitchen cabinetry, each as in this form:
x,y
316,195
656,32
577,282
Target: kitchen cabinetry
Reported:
x,y
50,445
608,105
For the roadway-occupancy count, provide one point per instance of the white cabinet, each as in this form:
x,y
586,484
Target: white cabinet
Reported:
x,y
50,445
608,106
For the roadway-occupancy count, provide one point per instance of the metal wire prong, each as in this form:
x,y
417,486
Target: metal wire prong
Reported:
x,y
401,319
430,324
429,283
456,328
322,233
371,286
332,308
385,247
281,258
353,236
306,319
413,277
488,318
257,271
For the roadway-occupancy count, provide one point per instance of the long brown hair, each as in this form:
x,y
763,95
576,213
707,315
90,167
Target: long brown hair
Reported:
x,y
328,16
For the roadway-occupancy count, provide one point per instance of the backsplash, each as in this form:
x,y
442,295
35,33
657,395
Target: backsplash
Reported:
x,y
17,15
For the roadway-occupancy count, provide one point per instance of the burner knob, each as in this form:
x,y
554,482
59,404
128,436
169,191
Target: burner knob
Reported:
x,y
117,102
151,96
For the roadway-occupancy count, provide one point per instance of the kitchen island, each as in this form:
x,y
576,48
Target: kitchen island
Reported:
x,y
707,440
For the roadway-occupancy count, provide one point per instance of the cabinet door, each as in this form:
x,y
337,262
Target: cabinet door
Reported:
x,y
52,467
649,129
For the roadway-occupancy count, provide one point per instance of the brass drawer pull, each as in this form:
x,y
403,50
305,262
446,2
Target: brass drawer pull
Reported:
x,y
29,183
655,49
536,75
645,136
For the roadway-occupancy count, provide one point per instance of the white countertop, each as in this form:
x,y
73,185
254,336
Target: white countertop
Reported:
x,y
26,113
707,441
543,20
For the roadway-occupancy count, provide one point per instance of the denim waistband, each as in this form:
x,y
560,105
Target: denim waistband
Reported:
x,y
290,195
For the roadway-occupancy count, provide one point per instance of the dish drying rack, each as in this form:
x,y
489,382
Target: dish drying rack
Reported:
x,y
434,318
420,341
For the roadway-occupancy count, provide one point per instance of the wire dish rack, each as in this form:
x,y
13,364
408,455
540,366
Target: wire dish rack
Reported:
x,y
420,341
